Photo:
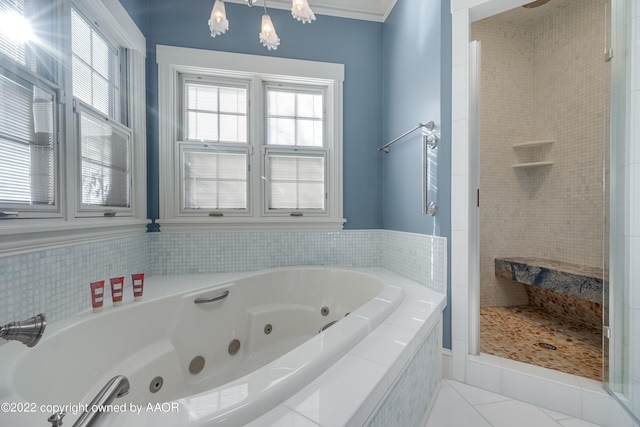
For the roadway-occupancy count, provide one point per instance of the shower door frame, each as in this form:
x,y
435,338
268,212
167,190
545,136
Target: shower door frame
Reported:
x,y
561,391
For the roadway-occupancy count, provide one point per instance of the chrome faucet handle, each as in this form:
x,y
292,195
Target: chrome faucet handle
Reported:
x,y
27,331
56,418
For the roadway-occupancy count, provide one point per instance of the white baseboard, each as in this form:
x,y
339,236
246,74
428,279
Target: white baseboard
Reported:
x,y
446,364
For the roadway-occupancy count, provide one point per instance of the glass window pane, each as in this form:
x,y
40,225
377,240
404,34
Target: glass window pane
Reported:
x,y
27,156
307,134
100,55
202,97
95,67
230,128
208,102
105,153
80,37
82,88
309,105
281,131
214,180
295,182
281,103
202,126
100,92
233,100
294,118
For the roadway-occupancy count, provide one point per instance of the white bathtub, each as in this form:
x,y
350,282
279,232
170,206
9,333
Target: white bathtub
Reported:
x,y
162,334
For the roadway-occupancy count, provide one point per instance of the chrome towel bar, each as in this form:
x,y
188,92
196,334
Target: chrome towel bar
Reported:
x,y
429,126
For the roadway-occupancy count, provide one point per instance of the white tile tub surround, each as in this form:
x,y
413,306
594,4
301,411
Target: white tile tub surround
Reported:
x,y
56,281
417,256
375,383
482,371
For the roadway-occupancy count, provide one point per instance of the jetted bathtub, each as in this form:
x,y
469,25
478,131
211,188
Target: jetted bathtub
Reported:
x,y
223,362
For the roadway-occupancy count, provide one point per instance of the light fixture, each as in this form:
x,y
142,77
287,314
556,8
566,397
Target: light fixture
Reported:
x,y
218,24
300,10
268,36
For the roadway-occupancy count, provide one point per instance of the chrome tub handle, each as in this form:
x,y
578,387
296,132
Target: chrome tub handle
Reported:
x,y
203,300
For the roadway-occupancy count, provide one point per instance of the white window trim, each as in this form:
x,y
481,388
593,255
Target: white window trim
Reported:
x,y
27,235
173,61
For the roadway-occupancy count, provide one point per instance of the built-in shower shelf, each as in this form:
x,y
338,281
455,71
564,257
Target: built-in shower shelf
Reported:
x,y
531,144
579,281
533,164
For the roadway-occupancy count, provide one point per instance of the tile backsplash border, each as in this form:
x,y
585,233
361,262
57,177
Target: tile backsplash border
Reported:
x,y
55,281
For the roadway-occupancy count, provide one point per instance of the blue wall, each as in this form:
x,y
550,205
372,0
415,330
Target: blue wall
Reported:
x,y
416,88
354,43
397,74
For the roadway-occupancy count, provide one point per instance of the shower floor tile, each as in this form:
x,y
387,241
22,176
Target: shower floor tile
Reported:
x,y
514,333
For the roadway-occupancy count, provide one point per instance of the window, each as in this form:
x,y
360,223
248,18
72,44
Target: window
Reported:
x,y
105,153
28,157
249,148
215,171
72,122
296,150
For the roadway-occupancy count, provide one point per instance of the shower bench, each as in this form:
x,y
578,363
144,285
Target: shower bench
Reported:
x,y
578,281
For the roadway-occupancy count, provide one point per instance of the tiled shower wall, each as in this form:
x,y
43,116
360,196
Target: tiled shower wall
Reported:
x,y
542,78
56,281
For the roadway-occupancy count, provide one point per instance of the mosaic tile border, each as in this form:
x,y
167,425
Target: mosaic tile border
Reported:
x,y
55,281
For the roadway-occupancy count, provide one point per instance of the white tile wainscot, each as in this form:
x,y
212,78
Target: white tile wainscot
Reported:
x,y
375,383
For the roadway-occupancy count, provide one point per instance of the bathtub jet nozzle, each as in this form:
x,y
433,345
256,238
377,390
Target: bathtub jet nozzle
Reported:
x,y
28,332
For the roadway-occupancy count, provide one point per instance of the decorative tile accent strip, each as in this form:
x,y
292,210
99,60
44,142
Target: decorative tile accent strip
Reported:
x,y
570,279
417,256
247,251
56,281
415,391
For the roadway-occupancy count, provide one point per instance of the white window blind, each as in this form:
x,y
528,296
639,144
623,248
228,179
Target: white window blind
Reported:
x,y
214,179
216,113
105,166
27,145
295,182
95,67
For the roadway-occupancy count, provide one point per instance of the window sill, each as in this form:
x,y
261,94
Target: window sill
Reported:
x,y
206,225
28,235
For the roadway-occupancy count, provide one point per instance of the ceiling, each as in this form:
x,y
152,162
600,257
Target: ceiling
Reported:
x,y
369,10
524,16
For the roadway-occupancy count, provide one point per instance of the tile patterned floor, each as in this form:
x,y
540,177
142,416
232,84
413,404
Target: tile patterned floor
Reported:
x,y
460,405
514,333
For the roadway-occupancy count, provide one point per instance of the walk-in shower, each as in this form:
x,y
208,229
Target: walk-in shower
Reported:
x,y
544,96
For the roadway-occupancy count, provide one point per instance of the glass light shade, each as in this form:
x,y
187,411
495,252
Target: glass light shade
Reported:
x,y
302,12
268,36
218,24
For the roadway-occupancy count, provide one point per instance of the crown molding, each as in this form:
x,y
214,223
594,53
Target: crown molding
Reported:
x,y
368,10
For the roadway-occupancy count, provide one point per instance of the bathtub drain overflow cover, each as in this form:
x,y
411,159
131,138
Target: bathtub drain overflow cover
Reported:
x,y
324,311
156,384
196,365
234,347
547,346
